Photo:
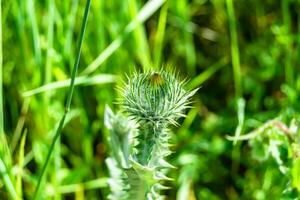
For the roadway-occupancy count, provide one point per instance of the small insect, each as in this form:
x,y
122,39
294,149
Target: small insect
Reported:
x,y
156,79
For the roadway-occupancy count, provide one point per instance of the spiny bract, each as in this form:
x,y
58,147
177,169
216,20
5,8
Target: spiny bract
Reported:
x,y
155,97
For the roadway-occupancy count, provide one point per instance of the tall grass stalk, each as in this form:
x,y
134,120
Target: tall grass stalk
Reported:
x,y
7,181
69,98
70,29
20,167
3,169
140,37
240,102
149,8
234,49
1,74
159,37
51,16
289,70
35,32
201,78
236,67
80,80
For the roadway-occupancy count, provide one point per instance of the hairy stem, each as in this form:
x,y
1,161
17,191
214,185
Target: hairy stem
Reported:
x,y
147,138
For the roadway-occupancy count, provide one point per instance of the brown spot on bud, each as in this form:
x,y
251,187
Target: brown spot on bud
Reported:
x,y
156,79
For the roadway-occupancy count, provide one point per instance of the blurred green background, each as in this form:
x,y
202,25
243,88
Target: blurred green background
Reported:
x,y
243,54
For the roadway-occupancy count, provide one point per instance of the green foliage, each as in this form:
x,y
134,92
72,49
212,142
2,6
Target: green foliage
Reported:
x,y
244,54
151,101
275,142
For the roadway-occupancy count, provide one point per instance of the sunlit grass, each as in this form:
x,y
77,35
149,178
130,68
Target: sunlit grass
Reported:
x,y
243,55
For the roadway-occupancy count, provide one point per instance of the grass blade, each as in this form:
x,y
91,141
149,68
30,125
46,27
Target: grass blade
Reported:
x,y
35,32
289,69
3,169
20,167
20,125
139,34
69,34
236,68
81,80
69,98
160,33
1,68
201,78
51,16
240,102
234,49
89,185
7,181
149,8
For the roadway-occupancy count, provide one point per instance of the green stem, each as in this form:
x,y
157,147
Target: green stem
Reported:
x,y
139,34
35,32
147,137
234,49
1,68
70,29
51,16
289,70
69,98
152,138
159,37
3,169
240,103
7,181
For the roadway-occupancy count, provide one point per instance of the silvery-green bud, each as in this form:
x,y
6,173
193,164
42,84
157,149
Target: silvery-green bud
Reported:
x,y
156,97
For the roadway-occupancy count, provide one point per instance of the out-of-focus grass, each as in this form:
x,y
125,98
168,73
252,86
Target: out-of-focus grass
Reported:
x,y
4,151
1,72
197,38
61,123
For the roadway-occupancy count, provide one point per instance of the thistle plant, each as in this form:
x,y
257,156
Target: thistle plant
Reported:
x,y
276,141
139,134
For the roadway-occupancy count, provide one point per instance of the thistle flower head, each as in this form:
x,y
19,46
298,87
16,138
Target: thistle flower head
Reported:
x,y
153,100
155,97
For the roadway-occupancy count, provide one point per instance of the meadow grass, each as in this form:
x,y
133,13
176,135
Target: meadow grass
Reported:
x,y
3,168
69,97
243,56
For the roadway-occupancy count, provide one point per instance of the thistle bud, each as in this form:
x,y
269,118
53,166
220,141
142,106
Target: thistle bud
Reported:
x,y
155,97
